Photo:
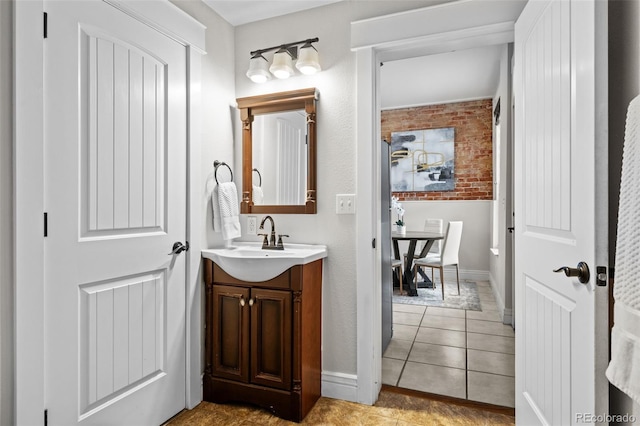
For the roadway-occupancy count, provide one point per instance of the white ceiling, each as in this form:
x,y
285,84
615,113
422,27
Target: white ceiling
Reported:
x,y
446,77
238,12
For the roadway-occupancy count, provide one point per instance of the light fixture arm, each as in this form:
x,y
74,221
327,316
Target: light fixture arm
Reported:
x,y
286,46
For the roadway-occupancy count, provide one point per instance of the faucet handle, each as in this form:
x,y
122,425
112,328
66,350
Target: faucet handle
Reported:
x,y
265,241
280,240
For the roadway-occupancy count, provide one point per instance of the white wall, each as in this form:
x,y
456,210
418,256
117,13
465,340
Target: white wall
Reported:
x,y
336,152
624,85
216,129
6,213
476,232
218,101
500,274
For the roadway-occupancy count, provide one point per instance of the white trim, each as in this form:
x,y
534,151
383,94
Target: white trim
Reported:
x,y
167,19
369,303
28,212
29,198
399,36
195,223
340,386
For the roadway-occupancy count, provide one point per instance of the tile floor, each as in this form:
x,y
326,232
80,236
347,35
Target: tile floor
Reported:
x,y
453,352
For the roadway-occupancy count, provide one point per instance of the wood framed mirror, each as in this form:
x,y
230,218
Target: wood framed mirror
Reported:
x,y
279,152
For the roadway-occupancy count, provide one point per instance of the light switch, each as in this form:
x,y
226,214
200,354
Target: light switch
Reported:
x,y
345,203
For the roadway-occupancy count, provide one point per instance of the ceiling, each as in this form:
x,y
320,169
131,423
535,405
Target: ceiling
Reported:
x,y
446,77
239,12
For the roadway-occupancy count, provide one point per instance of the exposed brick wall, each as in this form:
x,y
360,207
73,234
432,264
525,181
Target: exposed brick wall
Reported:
x,y
473,145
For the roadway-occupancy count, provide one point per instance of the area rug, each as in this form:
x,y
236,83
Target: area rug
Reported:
x,y
468,298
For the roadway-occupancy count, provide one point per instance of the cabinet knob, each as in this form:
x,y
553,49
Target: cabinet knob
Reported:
x,y
241,301
250,302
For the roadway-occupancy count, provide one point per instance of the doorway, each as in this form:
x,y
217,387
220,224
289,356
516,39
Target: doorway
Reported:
x,y
432,33
438,346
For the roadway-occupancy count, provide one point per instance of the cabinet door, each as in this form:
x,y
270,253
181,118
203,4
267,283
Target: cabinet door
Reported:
x,y
271,338
231,332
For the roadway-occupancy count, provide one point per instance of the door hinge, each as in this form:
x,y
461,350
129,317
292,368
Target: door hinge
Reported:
x,y
45,25
373,243
46,224
46,417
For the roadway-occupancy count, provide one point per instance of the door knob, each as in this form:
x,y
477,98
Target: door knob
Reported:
x,y
582,272
178,248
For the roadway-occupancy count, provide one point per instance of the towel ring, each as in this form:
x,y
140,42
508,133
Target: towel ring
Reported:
x,y
217,164
259,175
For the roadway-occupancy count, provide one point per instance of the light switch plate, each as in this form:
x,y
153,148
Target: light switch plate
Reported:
x,y
346,204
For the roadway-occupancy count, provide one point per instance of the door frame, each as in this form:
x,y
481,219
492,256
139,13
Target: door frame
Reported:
x,y
419,32
29,164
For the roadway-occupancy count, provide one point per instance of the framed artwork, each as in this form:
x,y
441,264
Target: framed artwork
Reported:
x,y
423,160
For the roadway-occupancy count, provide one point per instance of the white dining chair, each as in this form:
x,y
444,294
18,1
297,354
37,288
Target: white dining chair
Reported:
x,y
448,257
430,225
396,266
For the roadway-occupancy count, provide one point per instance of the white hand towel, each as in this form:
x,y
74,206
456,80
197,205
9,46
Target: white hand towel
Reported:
x,y
624,368
215,207
257,195
229,211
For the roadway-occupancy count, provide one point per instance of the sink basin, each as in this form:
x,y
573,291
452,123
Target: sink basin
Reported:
x,y
249,262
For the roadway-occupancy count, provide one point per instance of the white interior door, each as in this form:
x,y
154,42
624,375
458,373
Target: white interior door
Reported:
x,y
115,193
559,179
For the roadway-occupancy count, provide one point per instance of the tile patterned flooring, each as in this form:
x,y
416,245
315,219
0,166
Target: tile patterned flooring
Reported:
x,y
453,352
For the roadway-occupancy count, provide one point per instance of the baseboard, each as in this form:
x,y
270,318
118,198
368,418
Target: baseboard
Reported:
x,y
507,318
499,299
340,386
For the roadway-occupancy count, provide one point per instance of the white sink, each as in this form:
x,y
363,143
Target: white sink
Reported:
x,y
249,262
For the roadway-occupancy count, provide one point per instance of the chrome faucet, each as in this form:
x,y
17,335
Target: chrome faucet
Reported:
x,y
269,242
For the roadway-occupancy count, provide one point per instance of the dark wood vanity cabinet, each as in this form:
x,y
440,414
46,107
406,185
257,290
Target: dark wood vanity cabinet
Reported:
x,y
263,339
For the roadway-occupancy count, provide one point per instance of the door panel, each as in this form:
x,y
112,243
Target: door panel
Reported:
x,y
231,332
122,336
557,219
115,193
271,338
123,155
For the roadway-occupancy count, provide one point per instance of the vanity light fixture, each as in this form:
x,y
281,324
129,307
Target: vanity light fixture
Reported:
x,y
306,58
282,66
258,69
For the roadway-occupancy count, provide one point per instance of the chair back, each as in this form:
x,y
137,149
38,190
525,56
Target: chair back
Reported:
x,y
434,225
451,245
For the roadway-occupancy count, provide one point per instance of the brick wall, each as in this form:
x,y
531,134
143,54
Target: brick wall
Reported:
x,y
473,145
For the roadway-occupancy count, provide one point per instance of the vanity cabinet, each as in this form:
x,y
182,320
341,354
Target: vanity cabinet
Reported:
x,y
263,339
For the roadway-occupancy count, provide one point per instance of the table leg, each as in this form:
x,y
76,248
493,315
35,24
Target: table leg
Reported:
x,y
408,271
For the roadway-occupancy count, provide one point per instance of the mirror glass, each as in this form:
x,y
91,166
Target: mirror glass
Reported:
x,y
279,158
279,152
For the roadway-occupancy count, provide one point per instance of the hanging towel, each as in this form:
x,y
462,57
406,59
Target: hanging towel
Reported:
x,y
257,195
229,211
624,368
215,207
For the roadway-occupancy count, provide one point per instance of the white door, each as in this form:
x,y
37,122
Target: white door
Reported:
x,y
115,193
560,177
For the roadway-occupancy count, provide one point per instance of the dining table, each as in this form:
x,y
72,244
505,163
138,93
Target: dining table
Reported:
x,y
413,237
